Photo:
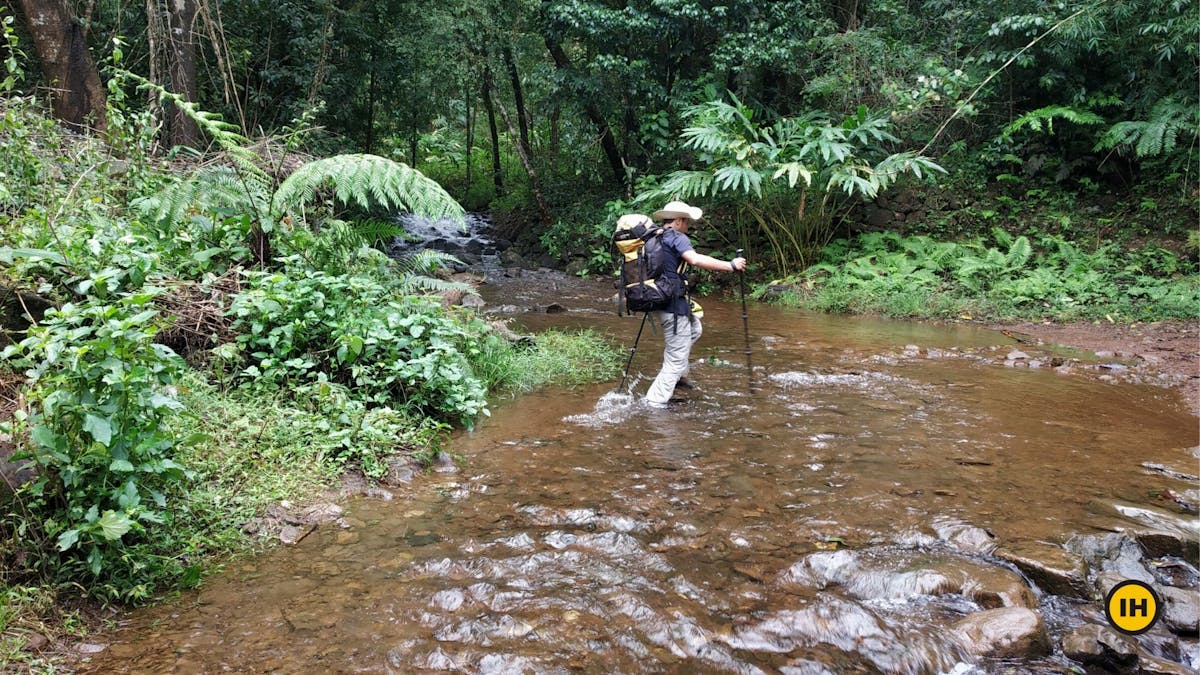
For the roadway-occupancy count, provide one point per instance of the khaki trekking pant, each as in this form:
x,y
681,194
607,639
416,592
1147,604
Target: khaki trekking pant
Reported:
x,y
678,338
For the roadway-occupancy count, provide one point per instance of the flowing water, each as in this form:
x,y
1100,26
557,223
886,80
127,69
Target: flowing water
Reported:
x,y
837,500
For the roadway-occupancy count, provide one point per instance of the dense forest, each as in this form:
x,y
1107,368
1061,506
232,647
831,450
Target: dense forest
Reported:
x,y
237,165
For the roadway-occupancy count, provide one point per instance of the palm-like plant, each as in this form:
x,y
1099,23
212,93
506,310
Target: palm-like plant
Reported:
x,y
795,171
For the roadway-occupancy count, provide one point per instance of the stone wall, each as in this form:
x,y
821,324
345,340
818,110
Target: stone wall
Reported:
x,y
903,209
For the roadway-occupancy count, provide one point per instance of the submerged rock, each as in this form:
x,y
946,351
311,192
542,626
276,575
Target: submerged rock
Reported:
x,y
1163,533
964,536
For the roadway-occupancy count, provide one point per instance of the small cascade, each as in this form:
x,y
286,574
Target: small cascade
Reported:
x,y
470,240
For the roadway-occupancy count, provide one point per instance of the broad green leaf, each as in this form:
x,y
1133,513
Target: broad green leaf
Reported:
x,y
120,465
67,539
99,428
8,255
114,525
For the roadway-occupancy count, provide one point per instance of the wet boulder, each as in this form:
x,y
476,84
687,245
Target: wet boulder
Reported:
x,y
577,267
1006,632
1101,647
1152,665
1162,533
1055,570
1160,543
451,297
1181,609
1115,555
513,258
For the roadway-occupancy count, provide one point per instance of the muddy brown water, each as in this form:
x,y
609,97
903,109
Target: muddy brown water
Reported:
x,y
834,508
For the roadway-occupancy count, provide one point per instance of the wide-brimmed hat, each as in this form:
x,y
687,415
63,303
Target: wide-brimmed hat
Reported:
x,y
678,209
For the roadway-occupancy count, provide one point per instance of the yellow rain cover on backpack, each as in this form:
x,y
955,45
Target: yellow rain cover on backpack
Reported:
x,y
629,222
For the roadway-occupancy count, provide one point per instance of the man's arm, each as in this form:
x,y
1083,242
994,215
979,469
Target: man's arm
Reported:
x,y
707,262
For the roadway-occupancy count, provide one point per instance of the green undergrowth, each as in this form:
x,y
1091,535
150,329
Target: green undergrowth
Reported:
x,y
998,277
248,448
309,354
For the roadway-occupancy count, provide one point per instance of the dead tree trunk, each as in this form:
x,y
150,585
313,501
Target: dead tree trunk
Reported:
x,y
543,209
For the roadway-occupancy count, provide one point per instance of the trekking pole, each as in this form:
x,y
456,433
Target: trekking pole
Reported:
x,y
745,324
633,350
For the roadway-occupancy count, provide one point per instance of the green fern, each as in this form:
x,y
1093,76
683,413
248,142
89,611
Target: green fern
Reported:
x,y
1018,254
417,269
366,180
338,242
1159,134
1002,237
207,189
1042,120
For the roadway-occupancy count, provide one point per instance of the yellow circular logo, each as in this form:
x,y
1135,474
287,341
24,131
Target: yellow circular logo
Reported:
x,y
1132,607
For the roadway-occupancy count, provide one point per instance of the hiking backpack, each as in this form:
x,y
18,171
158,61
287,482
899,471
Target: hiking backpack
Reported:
x,y
644,284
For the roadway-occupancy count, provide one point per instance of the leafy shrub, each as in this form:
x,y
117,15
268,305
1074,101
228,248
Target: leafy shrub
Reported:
x,y
307,327
99,397
586,230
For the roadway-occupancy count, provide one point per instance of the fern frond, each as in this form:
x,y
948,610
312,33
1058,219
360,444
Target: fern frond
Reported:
x,y
683,185
367,180
417,283
425,261
226,134
1159,133
378,231
205,190
1042,119
1018,254
1002,237
416,272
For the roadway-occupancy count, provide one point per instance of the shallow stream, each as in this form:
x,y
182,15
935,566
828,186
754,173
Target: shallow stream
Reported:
x,y
866,497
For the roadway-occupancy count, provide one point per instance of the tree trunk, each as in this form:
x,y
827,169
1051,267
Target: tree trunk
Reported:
x,y
183,70
554,115
518,98
77,97
370,144
847,14
607,140
497,176
470,115
533,179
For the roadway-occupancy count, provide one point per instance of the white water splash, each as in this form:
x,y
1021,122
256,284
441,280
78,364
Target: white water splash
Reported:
x,y
612,408
802,379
